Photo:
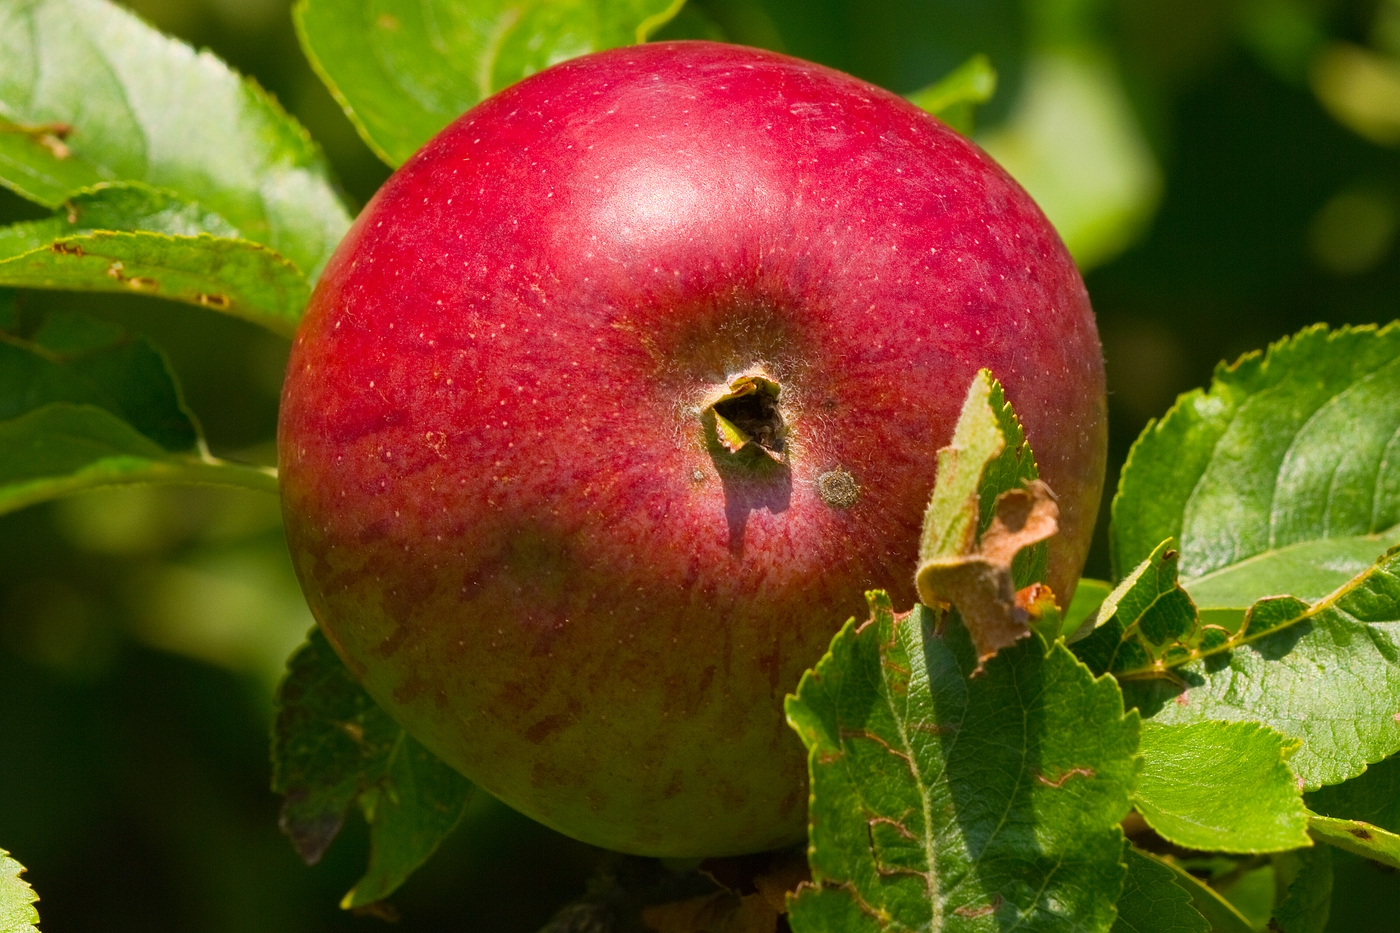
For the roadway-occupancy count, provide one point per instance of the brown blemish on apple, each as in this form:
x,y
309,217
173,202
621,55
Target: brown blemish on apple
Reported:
x,y
554,723
838,488
674,786
545,774
411,688
791,799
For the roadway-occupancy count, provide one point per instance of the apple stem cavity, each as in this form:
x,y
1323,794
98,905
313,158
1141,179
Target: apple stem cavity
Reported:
x,y
748,417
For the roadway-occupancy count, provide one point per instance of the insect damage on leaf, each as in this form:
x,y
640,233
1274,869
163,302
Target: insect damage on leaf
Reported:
x,y
924,778
978,581
51,136
986,524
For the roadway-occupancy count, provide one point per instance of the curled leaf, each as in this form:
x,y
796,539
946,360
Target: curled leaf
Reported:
x,y
978,581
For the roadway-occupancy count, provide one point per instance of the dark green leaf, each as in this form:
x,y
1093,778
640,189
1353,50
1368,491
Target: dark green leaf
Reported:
x,y
945,801
1222,916
17,913
76,359
1307,900
1152,901
9,309
333,746
90,94
404,69
62,448
133,239
84,404
1328,674
1148,622
1286,449
955,97
1364,839
1221,787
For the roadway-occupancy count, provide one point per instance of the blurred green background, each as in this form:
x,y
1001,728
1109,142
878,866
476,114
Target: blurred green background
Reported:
x,y
1226,171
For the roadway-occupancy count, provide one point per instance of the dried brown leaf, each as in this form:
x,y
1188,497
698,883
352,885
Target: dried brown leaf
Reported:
x,y
979,582
721,912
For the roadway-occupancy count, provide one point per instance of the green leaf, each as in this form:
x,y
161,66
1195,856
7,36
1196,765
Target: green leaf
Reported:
x,y
404,69
134,239
9,309
1221,787
17,913
79,360
1152,901
84,404
1148,623
62,448
1307,900
1328,674
1364,839
89,94
954,98
941,800
1286,449
988,455
960,495
333,746
1222,916
1373,797
1088,596
1362,815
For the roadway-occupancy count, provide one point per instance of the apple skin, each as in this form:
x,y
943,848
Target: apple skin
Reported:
x,y
503,498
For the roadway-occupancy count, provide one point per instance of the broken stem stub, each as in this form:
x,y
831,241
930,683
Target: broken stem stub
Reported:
x,y
747,416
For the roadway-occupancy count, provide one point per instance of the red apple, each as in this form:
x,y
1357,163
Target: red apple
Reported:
x,y
506,477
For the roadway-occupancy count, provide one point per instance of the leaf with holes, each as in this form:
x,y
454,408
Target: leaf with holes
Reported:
x,y
17,913
1221,787
134,239
1282,479
946,801
1326,673
84,404
1152,901
404,69
332,747
90,94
